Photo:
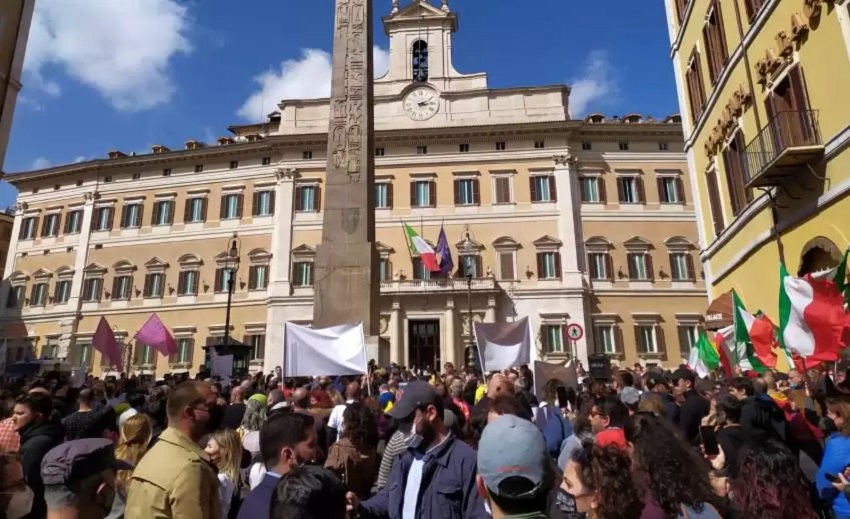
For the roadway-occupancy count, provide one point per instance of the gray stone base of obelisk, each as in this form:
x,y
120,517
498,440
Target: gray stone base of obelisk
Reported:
x,y
343,286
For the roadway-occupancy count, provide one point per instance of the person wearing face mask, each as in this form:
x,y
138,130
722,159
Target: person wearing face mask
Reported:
x,y
287,441
79,479
176,477
435,478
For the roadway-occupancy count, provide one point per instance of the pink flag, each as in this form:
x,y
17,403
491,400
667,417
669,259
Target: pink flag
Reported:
x,y
104,342
154,334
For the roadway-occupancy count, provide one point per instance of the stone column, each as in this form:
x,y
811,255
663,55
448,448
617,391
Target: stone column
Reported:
x,y
569,221
82,256
450,350
11,256
396,338
280,267
490,313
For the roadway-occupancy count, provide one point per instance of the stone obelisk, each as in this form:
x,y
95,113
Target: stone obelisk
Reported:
x,y
346,284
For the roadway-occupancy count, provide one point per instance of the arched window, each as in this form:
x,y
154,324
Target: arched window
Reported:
x,y
420,61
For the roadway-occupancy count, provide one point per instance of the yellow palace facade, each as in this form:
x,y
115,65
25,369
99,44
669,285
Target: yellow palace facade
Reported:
x,y
761,87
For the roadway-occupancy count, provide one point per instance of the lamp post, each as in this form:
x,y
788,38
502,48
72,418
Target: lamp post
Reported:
x,y
467,248
231,266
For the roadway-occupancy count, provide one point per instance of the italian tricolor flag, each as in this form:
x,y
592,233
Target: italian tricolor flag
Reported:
x,y
420,248
747,330
723,340
812,317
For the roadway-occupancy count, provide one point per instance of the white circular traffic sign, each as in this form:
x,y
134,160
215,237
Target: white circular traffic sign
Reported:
x,y
575,332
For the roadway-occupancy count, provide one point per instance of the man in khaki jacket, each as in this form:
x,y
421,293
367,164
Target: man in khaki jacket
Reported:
x,y
176,479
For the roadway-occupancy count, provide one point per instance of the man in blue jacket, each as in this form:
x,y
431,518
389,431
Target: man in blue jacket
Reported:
x,y
435,478
287,441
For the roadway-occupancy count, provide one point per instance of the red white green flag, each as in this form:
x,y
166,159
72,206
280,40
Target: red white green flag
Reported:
x,y
421,249
812,317
745,353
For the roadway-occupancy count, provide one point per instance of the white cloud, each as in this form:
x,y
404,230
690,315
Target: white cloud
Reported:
x,y
305,78
79,159
41,163
596,85
120,49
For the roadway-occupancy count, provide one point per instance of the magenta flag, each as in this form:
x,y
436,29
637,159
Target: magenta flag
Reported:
x,y
154,334
104,342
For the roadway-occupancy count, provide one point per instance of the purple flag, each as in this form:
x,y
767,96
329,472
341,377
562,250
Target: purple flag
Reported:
x,y
444,253
104,342
154,334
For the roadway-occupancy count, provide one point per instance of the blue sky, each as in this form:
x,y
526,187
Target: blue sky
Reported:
x,y
107,74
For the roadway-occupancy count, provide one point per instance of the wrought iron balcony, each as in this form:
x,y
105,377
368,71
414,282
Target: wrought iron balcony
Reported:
x,y
790,140
408,286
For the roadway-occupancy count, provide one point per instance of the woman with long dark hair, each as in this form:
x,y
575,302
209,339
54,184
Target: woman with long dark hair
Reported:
x,y
600,481
770,484
675,478
354,457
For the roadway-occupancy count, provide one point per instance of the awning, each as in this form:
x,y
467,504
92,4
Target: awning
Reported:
x,y
719,313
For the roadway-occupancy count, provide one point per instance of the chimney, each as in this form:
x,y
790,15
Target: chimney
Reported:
x,y
253,137
225,141
192,144
115,154
159,148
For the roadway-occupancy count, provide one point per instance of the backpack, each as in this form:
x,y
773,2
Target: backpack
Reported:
x,y
554,430
707,512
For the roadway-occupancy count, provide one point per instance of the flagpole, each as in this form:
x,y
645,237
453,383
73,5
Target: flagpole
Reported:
x,y
409,249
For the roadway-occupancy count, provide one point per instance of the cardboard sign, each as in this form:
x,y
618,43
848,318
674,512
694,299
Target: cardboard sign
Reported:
x,y
599,366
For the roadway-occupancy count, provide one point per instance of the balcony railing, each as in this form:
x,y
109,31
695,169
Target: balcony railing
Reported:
x,y
791,139
435,285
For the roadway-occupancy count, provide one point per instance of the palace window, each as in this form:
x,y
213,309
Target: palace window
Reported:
x,y
552,336
715,41
307,198
630,189
302,274
258,277
640,268
681,266
420,271
16,296
28,228
146,356
121,287
50,225
195,210
185,345
502,189
420,61
671,190
223,278
466,191
74,221
753,7
199,168
592,190
586,145
163,212
257,342
154,284
231,206
736,175
383,195
263,203
601,268
385,269
423,193
463,148
714,201
63,291
131,215
548,265
38,296
307,155
624,145
696,86
187,283
103,217
500,146
687,339
543,188
506,265
380,152
606,339
647,338
422,150
234,164
92,288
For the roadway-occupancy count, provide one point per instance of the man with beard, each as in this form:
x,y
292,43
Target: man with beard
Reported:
x,y
435,463
176,478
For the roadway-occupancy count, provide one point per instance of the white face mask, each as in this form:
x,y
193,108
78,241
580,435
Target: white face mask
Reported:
x,y
20,504
487,508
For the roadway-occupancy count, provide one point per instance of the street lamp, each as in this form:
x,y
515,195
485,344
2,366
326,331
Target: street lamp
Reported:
x,y
231,265
467,247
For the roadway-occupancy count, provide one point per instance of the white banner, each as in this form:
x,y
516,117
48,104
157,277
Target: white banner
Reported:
x,y
504,345
338,350
544,371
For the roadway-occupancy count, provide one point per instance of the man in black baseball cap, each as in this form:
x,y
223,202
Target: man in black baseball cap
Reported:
x,y
79,479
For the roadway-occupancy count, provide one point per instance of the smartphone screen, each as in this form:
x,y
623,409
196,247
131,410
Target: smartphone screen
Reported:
x,y
709,440
832,478
562,397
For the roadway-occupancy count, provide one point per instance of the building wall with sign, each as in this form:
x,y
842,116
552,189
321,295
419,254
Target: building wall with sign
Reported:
x,y
765,136
15,19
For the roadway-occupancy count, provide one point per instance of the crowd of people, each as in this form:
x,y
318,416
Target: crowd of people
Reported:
x,y
404,444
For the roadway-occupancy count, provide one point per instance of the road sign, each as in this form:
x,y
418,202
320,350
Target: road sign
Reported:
x,y
575,332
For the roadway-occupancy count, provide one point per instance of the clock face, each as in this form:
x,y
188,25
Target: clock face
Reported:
x,y
421,103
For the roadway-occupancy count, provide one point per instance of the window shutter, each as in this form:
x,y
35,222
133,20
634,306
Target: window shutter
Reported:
x,y
271,201
639,345
558,273
239,201
413,195
720,36
95,218
714,201
456,185
661,195
533,189
66,227
479,270
312,273
252,278
432,194
672,258
219,273
650,272
603,196
609,266
170,207
689,262
680,190
476,192
539,265
317,198
157,207
141,214
660,342
255,203
553,189
115,287
204,203
147,291
44,226
506,265
124,216
630,259
187,210
641,191
581,191
181,283
223,209
620,189
389,195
